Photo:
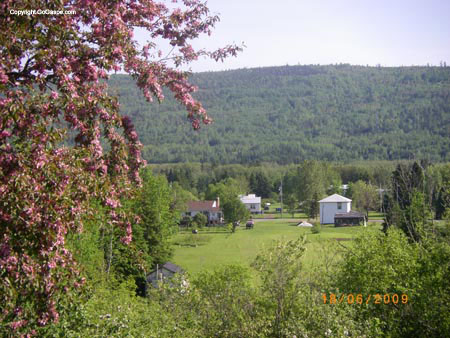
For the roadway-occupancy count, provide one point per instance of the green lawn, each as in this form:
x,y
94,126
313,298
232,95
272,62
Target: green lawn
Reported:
x,y
376,215
277,215
216,247
272,213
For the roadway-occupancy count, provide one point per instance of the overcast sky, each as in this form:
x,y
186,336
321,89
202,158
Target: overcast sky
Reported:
x,y
280,32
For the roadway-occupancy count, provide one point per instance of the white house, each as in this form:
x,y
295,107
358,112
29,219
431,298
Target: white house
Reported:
x,y
210,209
332,205
252,203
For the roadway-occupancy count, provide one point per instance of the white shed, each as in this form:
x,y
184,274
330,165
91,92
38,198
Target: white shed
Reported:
x,y
332,205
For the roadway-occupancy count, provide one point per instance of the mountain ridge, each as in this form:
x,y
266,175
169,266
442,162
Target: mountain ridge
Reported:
x,y
291,113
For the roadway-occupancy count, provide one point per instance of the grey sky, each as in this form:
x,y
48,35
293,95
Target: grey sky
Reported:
x,y
386,32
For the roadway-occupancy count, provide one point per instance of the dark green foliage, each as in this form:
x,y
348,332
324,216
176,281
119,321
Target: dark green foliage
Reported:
x,y
442,202
289,114
407,207
186,221
200,220
152,205
260,184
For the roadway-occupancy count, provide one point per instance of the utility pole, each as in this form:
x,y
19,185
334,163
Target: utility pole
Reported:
x,y
281,196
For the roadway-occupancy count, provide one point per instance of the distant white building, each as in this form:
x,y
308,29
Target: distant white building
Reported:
x,y
332,205
252,203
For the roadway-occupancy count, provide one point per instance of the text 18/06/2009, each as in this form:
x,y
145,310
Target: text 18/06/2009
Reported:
x,y
365,299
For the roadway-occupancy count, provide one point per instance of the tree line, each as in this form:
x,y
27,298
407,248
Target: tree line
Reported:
x,y
303,185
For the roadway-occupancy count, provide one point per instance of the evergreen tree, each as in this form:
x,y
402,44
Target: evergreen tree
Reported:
x,y
442,202
260,184
407,208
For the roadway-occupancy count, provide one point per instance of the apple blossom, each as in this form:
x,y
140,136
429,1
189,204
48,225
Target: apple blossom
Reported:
x,y
50,90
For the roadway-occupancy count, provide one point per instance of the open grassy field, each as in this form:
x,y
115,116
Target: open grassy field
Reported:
x,y
215,246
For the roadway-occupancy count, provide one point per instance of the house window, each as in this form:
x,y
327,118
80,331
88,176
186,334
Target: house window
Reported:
x,y
339,205
188,213
252,206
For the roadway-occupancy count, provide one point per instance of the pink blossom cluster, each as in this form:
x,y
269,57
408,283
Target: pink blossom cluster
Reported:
x,y
51,87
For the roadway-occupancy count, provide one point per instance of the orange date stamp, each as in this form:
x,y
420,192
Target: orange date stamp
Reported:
x,y
359,298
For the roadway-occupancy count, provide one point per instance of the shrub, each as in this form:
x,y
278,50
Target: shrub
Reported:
x,y
388,263
316,228
200,220
186,221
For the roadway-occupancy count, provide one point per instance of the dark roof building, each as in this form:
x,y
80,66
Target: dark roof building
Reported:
x,y
163,273
349,218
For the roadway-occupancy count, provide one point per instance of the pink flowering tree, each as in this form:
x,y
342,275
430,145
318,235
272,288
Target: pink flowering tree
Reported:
x,y
51,90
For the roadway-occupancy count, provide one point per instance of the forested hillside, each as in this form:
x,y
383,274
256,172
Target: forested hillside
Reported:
x,y
292,113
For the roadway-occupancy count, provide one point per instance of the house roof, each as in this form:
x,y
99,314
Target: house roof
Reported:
x,y
251,198
350,214
172,267
202,206
335,198
169,267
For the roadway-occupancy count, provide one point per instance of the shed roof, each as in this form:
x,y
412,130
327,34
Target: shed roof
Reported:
x,y
170,267
350,214
335,198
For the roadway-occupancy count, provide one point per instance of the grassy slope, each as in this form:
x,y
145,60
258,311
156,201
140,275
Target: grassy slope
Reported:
x,y
243,246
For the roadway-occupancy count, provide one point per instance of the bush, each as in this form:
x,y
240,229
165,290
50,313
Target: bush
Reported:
x,y
389,264
200,220
228,303
186,221
316,228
